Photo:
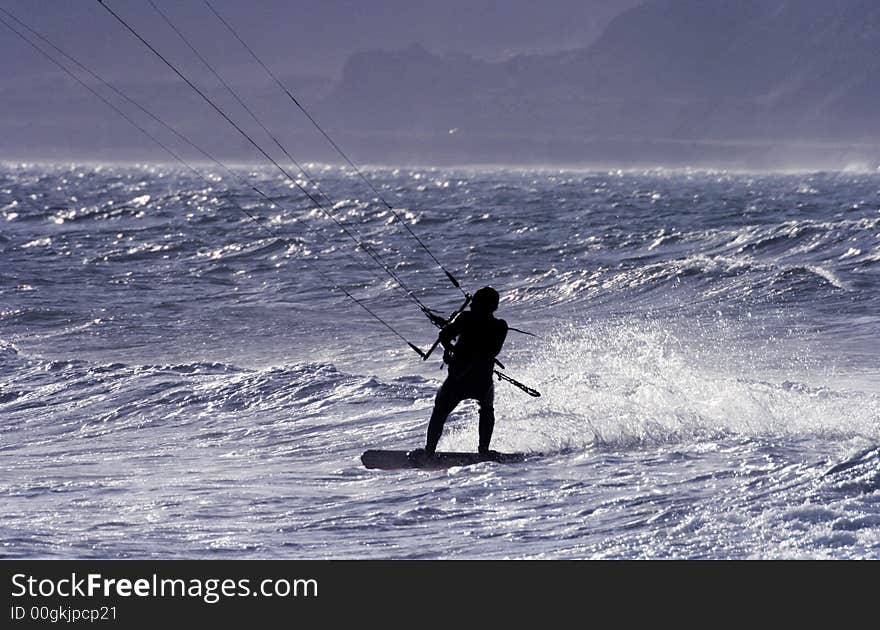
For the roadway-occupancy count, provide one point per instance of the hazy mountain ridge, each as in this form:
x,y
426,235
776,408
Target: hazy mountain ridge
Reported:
x,y
669,69
764,83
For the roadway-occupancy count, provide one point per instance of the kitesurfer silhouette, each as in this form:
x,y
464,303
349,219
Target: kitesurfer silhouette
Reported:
x,y
471,341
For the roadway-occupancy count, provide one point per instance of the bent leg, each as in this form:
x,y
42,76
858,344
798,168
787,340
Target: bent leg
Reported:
x,y
444,403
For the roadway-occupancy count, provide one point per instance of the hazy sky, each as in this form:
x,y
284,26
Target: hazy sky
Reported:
x,y
301,36
679,70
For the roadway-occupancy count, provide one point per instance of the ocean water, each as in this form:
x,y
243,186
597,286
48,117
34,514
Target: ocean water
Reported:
x,y
174,383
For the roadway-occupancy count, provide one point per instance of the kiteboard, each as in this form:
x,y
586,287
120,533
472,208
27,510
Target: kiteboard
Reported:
x,y
392,460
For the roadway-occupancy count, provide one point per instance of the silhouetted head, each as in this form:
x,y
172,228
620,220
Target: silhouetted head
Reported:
x,y
485,300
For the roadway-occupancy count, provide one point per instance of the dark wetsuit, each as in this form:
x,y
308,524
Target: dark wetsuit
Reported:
x,y
480,337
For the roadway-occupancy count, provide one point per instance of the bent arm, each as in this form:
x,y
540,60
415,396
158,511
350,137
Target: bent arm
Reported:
x,y
498,342
448,334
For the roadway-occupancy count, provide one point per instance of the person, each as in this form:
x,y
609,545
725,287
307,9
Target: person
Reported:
x,y
470,342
